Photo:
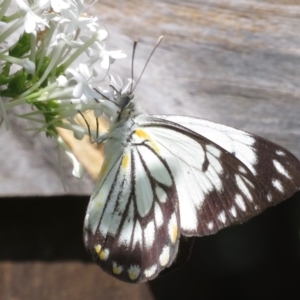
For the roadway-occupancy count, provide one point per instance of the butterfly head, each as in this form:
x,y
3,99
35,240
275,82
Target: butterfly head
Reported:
x,y
121,106
124,102
123,96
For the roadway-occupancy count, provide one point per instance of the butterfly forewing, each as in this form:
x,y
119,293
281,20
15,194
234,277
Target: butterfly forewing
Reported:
x,y
134,234
223,176
277,170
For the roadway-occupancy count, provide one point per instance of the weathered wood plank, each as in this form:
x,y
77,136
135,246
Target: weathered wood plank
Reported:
x,y
63,281
234,62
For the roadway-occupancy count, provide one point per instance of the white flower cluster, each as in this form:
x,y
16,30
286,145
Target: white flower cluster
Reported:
x,y
53,57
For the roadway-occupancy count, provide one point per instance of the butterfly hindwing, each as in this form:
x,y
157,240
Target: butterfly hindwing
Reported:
x,y
133,234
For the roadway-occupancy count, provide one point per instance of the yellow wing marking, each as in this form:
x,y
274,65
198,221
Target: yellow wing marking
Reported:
x,y
98,248
142,134
174,233
134,272
125,161
103,170
117,269
103,255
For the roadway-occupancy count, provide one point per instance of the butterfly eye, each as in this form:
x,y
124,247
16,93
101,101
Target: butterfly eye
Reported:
x,y
125,100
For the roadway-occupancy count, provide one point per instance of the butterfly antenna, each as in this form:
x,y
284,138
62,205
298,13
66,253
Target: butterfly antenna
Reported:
x,y
97,129
87,125
106,97
155,47
132,64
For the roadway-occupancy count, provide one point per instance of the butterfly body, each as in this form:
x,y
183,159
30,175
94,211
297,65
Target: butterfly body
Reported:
x,y
167,176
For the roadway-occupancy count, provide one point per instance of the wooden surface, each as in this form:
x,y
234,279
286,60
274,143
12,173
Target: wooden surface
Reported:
x,y
233,62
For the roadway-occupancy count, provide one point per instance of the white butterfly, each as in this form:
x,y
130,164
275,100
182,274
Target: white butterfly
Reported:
x,y
167,176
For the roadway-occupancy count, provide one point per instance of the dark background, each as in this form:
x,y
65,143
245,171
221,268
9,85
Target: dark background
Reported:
x,y
43,257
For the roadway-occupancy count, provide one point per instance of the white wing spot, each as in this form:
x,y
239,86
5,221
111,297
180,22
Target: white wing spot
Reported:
x,y
215,163
164,256
143,188
280,153
117,269
134,272
233,211
159,219
242,186
137,238
149,234
269,197
161,194
245,152
210,225
279,167
277,184
127,228
150,271
173,228
222,217
242,170
240,202
249,182
213,177
213,150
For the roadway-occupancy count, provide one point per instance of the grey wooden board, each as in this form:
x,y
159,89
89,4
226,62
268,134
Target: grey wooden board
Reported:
x,y
232,62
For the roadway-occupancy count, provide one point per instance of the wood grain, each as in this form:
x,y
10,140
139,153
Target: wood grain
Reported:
x,y
233,62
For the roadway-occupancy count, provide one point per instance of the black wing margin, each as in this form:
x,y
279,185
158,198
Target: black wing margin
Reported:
x,y
223,176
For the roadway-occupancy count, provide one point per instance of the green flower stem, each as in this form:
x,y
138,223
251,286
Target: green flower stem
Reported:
x,y
53,62
3,113
69,49
38,95
44,46
4,6
14,102
61,94
32,53
11,59
10,31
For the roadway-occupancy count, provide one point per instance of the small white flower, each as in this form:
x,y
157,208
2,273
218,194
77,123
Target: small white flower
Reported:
x,y
108,108
59,5
32,22
68,39
108,57
89,24
102,35
44,4
77,166
84,80
62,81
